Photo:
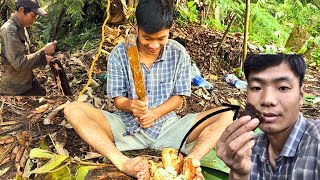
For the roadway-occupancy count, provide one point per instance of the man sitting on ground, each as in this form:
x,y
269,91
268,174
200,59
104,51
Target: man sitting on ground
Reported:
x,y
152,123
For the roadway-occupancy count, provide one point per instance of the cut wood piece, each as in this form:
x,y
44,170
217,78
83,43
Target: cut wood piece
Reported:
x,y
134,62
252,111
107,172
172,167
5,160
8,123
171,160
7,151
188,169
6,140
14,152
60,77
12,129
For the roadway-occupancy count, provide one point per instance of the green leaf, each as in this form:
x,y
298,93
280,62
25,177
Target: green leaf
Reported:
x,y
4,170
190,4
316,100
43,144
312,99
213,174
49,166
40,153
212,161
83,171
62,174
28,166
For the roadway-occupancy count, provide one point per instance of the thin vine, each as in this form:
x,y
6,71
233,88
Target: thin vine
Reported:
x,y
99,51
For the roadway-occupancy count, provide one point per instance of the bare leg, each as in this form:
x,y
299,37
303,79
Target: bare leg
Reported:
x,y
92,126
207,133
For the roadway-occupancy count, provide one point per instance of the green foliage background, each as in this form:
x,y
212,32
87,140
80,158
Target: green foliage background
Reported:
x,y
271,21
80,27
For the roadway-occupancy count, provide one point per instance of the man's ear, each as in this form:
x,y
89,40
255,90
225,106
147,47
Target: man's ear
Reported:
x,y
21,9
302,92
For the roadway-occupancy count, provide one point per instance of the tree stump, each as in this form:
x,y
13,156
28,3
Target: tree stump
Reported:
x,y
297,38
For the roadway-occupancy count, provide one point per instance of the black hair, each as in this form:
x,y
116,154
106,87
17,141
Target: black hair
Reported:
x,y
260,62
154,15
26,10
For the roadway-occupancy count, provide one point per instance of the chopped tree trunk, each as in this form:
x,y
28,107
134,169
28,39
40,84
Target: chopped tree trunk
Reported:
x,y
297,38
60,78
310,49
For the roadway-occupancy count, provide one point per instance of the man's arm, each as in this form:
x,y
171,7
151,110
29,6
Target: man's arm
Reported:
x,y
137,107
145,116
152,115
171,104
15,53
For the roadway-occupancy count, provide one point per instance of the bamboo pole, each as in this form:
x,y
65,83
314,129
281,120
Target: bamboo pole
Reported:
x,y
246,34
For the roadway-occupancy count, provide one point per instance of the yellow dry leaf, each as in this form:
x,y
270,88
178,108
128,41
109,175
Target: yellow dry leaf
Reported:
x,y
234,101
211,77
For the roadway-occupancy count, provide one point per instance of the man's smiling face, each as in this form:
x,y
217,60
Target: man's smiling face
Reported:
x,y
152,44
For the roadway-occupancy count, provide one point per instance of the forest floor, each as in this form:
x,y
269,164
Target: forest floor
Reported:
x,y
33,122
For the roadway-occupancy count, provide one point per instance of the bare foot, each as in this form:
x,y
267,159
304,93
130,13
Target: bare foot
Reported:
x,y
137,167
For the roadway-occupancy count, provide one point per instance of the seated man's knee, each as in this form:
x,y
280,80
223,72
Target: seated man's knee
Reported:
x,y
72,108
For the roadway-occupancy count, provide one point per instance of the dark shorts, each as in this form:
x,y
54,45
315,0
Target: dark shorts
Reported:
x,y
36,90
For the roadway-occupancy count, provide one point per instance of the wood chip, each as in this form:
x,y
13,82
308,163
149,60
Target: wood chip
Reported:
x,y
6,140
8,123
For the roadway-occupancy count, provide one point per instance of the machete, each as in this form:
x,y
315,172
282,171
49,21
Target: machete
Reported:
x,y
56,66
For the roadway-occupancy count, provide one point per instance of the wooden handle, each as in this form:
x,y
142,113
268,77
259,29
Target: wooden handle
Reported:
x,y
134,62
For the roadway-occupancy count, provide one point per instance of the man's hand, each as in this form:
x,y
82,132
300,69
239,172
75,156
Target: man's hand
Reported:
x,y
234,146
50,48
49,58
138,108
148,119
